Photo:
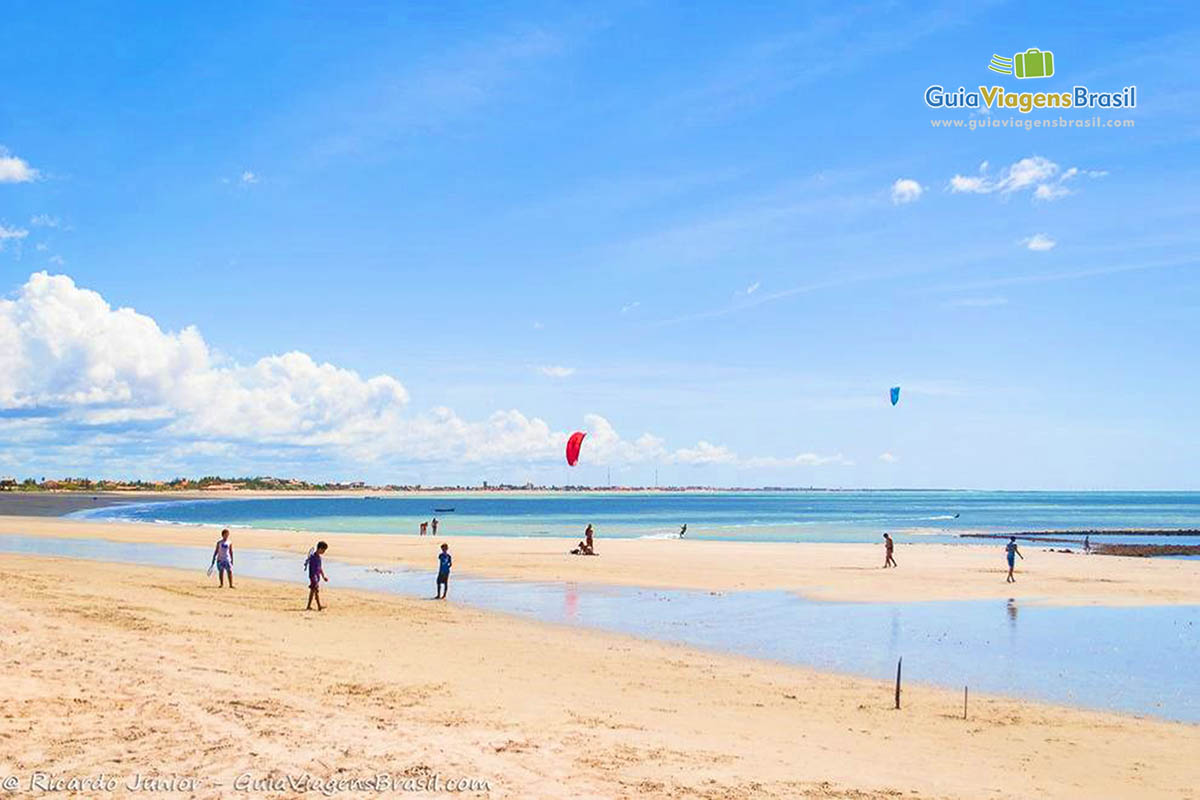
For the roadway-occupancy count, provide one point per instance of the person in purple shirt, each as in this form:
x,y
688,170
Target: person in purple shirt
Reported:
x,y
315,575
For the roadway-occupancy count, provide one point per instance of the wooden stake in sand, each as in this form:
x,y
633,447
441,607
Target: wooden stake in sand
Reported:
x,y
898,665
964,702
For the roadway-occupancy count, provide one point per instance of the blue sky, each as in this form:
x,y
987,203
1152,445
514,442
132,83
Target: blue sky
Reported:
x,y
680,218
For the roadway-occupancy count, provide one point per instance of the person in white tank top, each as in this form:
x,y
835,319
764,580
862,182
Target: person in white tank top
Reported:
x,y
223,558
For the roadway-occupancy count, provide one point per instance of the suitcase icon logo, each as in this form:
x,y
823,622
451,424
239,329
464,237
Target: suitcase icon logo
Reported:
x,y
1033,63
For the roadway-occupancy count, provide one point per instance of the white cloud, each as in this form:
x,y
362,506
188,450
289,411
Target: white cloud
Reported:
x,y
57,259
906,190
15,170
11,234
752,288
1048,191
1039,243
799,460
888,458
557,371
249,177
44,221
705,453
89,371
1046,179
625,309
537,326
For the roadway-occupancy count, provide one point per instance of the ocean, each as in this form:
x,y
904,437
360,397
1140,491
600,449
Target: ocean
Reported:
x,y
807,516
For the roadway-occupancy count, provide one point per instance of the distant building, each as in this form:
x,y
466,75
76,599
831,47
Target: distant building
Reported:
x,y
7,484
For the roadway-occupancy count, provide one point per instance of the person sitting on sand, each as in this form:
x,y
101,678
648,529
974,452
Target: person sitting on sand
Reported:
x,y
1011,551
443,576
888,545
223,558
316,574
579,550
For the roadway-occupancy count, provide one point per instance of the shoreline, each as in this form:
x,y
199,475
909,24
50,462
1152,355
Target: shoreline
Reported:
x,y
536,709
831,572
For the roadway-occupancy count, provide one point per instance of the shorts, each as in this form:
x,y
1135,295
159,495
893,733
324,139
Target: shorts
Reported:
x,y
224,566
314,581
443,577
1012,561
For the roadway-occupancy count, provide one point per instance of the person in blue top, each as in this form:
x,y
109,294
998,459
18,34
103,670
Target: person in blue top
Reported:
x,y
1012,552
223,558
443,578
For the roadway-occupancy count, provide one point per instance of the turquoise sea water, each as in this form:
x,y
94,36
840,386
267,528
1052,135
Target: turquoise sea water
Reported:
x,y
1139,660
818,516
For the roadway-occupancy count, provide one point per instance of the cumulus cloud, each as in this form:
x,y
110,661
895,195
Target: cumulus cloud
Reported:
x,y
44,221
1037,174
1039,243
705,453
72,362
906,190
15,170
557,371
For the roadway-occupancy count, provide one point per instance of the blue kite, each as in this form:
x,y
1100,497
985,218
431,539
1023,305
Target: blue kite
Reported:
x,y
895,395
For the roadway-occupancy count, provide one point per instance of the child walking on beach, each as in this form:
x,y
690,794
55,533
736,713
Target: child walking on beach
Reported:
x,y
1012,552
443,578
223,559
315,575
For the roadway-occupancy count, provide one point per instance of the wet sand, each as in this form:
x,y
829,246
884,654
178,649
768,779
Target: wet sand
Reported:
x,y
122,669
848,572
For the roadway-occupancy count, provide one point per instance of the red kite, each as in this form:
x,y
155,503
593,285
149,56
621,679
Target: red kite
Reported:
x,y
573,445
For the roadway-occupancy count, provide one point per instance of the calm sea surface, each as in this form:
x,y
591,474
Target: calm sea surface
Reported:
x,y
734,516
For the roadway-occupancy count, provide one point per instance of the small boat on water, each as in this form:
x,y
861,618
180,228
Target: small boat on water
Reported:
x,y
443,511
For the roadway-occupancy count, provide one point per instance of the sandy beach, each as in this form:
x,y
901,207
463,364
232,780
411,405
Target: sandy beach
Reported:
x,y
849,572
121,670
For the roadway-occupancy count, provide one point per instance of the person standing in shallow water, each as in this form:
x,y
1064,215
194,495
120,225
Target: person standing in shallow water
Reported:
x,y
888,546
1011,551
443,576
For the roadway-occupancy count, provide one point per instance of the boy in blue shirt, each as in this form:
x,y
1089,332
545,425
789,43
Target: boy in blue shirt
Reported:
x,y
443,578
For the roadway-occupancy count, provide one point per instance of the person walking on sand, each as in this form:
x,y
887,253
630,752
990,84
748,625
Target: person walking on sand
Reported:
x,y
433,525
223,558
888,546
443,576
316,574
1087,543
1012,551
424,527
